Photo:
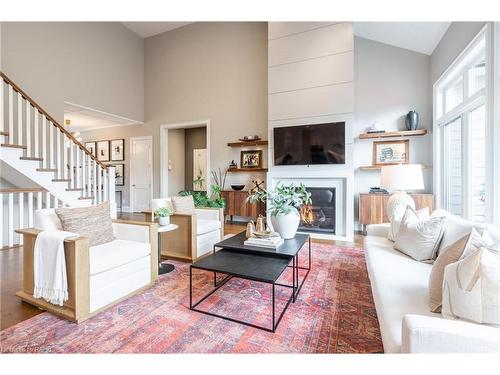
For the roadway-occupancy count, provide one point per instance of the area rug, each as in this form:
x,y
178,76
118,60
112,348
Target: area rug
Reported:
x,y
334,313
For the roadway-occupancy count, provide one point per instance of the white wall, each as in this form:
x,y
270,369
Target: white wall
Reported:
x,y
389,82
310,75
454,41
95,64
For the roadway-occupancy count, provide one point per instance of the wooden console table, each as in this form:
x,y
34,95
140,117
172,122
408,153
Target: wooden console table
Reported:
x,y
372,207
237,204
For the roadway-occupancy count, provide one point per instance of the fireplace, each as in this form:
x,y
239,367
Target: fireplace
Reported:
x,y
319,216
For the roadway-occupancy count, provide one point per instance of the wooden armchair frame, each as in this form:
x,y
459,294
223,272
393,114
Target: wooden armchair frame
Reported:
x,y
77,307
181,244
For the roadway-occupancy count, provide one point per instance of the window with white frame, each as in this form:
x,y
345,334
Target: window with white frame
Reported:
x,y
461,133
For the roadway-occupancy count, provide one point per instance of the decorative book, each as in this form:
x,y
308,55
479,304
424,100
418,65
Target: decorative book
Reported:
x,y
271,242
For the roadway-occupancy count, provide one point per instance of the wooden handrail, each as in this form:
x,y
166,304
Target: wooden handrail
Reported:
x,y
22,190
50,118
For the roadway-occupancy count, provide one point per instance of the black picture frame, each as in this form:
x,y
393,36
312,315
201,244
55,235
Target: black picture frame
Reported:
x,y
91,147
119,170
248,158
117,149
102,149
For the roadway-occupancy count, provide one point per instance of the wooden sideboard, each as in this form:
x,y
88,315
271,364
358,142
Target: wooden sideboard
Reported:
x,y
237,204
372,207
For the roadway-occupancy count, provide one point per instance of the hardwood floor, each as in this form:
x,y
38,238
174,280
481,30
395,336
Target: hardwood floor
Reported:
x,y
13,311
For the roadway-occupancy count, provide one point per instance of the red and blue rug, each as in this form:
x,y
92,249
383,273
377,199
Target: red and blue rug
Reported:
x,y
334,313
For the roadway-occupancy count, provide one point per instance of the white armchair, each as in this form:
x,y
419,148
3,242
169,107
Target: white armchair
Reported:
x,y
98,276
198,231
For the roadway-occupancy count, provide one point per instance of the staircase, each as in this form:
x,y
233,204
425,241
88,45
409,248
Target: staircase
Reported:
x,y
35,145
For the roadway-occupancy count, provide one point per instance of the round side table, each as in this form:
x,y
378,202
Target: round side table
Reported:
x,y
164,268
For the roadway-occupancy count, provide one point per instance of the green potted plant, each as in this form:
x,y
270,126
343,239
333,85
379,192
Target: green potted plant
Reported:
x,y
163,215
283,204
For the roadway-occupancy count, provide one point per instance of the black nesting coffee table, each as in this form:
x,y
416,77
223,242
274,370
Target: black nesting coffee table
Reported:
x,y
234,259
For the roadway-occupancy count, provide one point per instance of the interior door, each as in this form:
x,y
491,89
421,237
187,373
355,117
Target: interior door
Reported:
x,y
141,174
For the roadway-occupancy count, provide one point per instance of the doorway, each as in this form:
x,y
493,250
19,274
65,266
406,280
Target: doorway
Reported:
x,y
141,173
184,157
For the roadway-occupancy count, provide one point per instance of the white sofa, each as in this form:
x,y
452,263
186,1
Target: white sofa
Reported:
x,y
98,276
401,295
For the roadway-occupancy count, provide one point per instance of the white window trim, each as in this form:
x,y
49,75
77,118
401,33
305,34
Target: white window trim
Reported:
x,y
495,123
483,96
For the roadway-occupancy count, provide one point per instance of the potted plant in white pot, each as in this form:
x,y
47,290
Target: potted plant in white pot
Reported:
x,y
283,204
163,215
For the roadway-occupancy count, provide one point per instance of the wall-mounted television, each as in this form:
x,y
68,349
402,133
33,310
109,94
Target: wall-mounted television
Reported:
x,y
310,144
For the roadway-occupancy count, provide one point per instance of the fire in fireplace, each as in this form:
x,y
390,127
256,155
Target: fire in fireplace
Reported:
x,y
319,216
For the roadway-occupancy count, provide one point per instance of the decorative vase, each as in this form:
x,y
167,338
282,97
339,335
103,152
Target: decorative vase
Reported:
x,y
286,225
412,119
164,220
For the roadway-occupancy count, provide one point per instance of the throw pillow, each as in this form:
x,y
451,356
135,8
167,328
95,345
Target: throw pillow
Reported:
x,y
183,204
397,217
417,238
471,288
93,222
451,254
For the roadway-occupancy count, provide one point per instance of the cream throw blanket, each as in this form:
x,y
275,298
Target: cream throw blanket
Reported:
x,y
49,264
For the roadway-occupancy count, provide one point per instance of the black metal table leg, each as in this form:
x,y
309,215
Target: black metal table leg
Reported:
x,y
163,268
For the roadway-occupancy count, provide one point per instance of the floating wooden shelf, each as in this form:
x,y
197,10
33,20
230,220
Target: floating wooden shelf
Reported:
x,y
376,168
404,133
247,170
248,144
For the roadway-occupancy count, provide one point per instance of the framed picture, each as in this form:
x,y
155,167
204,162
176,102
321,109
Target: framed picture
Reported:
x,y
117,149
391,152
91,146
251,159
103,150
119,174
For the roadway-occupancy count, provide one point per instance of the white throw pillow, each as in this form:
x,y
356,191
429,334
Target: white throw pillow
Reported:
x,y
417,238
471,288
183,204
397,216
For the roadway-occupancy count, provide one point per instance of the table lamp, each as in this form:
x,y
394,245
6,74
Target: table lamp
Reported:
x,y
398,179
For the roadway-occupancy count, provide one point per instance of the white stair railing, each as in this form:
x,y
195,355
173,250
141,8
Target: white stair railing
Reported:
x,y
27,126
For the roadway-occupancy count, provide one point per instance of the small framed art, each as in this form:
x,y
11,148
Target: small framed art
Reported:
x,y
251,159
91,147
117,149
102,150
390,152
119,174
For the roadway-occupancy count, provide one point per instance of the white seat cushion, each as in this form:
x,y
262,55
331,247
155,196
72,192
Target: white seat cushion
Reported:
x,y
205,226
116,253
400,286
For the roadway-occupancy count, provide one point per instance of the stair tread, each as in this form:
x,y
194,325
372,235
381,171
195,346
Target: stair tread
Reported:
x,y
61,180
74,189
30,158
4,133
81,198
46,170
11,145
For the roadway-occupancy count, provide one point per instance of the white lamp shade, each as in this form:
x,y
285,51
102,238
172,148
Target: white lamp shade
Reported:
x,y
402,177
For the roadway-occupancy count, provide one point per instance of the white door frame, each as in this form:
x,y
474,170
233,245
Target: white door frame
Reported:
x,y
131,141
164,151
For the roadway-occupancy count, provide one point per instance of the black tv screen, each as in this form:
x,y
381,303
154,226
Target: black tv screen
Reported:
x,y
310,144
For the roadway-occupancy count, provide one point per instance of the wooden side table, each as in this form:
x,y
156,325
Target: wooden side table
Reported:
x,y
373,207
238,205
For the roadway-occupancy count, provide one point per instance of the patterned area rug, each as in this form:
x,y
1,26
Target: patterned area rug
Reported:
x,y
334,313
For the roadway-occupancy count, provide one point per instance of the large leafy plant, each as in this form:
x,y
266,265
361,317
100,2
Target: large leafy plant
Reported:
x,y
283,199
201,199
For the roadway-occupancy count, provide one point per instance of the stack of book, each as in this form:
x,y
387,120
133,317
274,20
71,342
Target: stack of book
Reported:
x,y
270,242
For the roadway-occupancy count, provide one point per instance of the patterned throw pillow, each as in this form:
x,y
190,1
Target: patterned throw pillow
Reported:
x,y
451,254
397,217
183,204
92,222
417,238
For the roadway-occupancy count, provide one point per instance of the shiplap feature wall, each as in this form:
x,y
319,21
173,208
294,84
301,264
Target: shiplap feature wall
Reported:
x,y
310,81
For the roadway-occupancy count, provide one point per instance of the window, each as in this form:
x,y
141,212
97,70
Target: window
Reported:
x,y
460,107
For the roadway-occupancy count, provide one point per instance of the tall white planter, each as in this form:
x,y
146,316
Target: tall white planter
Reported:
x,y
286,225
